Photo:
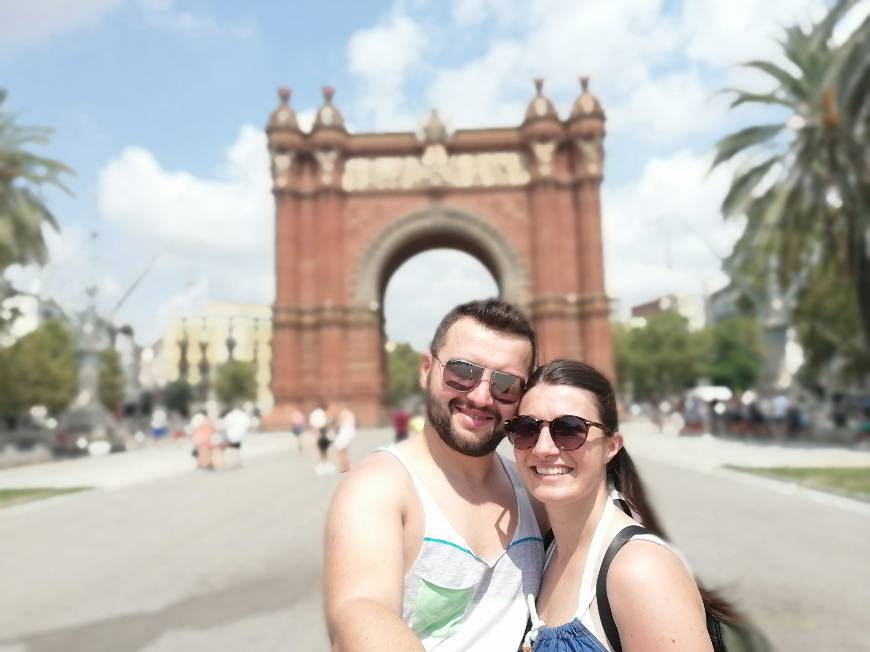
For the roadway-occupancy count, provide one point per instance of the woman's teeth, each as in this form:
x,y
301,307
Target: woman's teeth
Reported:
x,y
552,470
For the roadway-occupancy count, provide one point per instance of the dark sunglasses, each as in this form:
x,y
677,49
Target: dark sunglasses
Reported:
x,y
463,376
568,432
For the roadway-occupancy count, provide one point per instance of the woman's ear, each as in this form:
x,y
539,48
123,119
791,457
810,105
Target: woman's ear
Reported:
x,y
614,444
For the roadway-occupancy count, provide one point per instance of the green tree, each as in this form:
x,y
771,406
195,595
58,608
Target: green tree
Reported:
x,y
177,396
236,381
828,327
806,190
403,373
23,214
660,358
112,382
39,369
11,390
735,353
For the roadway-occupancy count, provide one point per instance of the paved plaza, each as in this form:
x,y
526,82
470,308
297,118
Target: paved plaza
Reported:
x,y
163,557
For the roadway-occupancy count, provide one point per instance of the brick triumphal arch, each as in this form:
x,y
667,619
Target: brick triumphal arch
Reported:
x,y
351,208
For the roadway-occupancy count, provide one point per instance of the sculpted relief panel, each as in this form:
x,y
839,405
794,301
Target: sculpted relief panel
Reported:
x,y
436,168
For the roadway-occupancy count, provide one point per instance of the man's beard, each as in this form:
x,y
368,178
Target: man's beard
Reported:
x,y
439,416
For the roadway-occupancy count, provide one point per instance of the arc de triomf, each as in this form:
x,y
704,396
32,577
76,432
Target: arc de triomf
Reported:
x,y
351,208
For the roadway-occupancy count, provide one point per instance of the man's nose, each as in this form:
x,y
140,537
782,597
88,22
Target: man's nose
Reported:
x,y
481,394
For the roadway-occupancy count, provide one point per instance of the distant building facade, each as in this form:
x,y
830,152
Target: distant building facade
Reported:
x,y
689,306
196,345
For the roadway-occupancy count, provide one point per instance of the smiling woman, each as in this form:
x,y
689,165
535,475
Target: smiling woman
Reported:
x,y
570,456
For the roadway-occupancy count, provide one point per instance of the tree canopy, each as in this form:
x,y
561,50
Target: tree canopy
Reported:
x,y
403,373
663,357
236,381
804,186
111,380
39,369
177,396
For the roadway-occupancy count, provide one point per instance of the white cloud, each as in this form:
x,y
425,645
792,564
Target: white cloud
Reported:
x,y
29,23
188,215
381,57
726,32
669,108
664,233
164,14
477,94
26,23
473,12
559,42
217,233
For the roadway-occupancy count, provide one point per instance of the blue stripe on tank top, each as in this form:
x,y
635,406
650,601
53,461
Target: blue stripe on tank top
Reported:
x,y
468,552
453,545
523,540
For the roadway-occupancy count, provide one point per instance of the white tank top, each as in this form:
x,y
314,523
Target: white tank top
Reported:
x,y
597,549
453,599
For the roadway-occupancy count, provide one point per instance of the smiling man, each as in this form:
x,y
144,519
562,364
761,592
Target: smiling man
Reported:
x,y
433,543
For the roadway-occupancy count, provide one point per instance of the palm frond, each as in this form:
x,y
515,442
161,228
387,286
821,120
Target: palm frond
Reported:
x,y
742,140
791,85
743,185
743,97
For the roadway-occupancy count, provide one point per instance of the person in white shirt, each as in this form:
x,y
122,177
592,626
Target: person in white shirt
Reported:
x,y
236,425
346,433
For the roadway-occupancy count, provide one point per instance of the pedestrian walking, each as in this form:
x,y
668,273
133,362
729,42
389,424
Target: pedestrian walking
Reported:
x,y
400,425
297,426
319,421
237,423
346,426
201,432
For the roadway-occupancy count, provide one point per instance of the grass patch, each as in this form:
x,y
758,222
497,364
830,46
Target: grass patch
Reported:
x,y
10,497
851,481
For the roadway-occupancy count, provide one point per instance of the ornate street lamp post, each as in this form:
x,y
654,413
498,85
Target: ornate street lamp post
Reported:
x,y
203,360
231,342
183,364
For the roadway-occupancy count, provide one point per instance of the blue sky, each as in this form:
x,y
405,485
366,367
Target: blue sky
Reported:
x,y
159,106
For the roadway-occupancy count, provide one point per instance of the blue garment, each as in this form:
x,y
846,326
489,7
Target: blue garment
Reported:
x,y
570,637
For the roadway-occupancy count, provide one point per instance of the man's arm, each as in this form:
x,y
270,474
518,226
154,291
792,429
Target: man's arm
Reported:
x,y
364,560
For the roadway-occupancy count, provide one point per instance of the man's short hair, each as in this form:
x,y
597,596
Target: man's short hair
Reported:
x,y
494,314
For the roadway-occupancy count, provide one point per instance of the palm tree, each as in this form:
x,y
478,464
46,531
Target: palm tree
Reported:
x,y
22,175
805,190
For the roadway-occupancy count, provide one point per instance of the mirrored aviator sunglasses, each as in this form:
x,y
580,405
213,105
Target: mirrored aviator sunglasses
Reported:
x,y
463,376
568,431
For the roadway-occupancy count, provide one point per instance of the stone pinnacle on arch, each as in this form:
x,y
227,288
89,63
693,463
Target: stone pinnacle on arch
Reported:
x,y
541,108
283,117
434,131
586,105
327,115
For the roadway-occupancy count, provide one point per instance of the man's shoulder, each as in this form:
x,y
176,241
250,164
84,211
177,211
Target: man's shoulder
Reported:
x,y
379,475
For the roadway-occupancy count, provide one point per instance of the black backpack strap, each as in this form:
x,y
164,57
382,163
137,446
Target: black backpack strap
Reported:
x,y
604,612
717,637
548,539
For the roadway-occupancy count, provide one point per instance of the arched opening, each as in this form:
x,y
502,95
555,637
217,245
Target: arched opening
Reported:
x,y
417,295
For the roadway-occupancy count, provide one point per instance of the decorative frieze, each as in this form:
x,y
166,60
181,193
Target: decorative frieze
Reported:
x,y
436,168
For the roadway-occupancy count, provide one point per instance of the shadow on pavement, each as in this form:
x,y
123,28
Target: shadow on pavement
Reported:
x,y
133,631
